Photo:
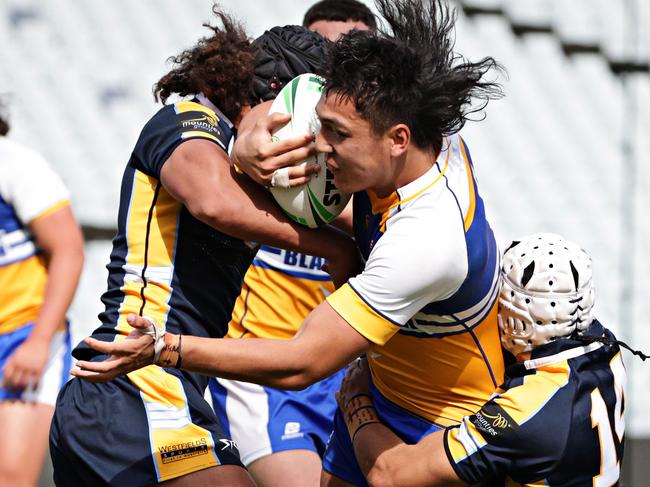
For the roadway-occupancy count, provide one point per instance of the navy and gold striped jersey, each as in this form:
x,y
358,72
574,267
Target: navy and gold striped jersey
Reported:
x,y
558,420
165,263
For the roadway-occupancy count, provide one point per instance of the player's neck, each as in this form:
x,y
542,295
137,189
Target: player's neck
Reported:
x,y
416,164
412,165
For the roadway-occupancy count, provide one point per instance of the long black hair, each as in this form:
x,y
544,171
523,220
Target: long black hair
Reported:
x,y
219,66
411,73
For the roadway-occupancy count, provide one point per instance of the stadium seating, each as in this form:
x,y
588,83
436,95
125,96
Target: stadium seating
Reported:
x,y
549,156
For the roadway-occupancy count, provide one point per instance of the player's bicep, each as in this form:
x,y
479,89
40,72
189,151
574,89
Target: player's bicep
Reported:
x,y
58,230
197,173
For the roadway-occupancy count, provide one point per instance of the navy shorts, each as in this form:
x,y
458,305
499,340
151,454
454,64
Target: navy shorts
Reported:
x,y
137,430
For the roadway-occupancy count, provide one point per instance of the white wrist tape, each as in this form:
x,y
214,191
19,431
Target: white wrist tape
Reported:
x,y
157,332
280,178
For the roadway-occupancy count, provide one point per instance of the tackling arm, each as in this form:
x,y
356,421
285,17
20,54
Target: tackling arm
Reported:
x,y
385,459
199,175
324,344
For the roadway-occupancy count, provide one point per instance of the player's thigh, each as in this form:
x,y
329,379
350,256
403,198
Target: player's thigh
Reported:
x,y
329,480
221,476
24,429
291,467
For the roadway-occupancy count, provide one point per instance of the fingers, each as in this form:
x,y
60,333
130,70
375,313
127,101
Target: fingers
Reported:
x,y
107,348
99,371
302,174
109,365
92,376
139,322
280,147
275,121
17,379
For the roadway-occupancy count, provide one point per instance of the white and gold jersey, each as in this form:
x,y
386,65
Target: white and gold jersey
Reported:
x,y
29,190
280,289
427,295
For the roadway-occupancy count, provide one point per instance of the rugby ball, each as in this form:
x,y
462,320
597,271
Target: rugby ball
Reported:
x,y
318,201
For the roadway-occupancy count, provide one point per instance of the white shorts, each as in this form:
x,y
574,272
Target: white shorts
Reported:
x,y
263,420
57,369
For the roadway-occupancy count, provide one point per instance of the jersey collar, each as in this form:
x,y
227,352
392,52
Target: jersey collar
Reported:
x,y
203,100
429,178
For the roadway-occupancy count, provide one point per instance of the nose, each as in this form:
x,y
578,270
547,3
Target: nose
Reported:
x,y
321,143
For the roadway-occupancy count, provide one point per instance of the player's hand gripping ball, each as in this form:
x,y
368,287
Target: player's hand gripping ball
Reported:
x,y
318,201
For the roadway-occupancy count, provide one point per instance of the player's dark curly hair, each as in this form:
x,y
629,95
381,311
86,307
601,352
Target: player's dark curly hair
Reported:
x,y
340,10
220,67
4,123
411,75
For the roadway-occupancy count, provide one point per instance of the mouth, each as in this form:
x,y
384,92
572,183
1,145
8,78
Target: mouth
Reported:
x,y
331,166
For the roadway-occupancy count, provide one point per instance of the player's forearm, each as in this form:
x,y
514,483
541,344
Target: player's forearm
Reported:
x,y
254,216
376,448
274,363
387,461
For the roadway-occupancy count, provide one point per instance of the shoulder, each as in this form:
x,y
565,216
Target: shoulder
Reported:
x,y
18,157
429,234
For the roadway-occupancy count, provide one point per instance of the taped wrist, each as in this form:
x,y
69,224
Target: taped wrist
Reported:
x,y
157,333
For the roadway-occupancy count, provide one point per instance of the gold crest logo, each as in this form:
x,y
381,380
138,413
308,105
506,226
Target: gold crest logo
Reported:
x,y
498,421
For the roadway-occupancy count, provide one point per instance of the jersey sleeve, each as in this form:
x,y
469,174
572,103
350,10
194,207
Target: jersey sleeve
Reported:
x,y
411,265
173,125
32,187
520,434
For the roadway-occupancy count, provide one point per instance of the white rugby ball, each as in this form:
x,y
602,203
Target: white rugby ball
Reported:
x,y
319,201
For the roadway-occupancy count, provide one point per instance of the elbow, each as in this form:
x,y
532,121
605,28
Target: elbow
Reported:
x,y
386,473
299,372
217,215
380,480
298,380
379,476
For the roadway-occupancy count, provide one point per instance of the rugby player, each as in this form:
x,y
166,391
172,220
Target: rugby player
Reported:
x,y
424,306
180,255
41,257
558,418
281,435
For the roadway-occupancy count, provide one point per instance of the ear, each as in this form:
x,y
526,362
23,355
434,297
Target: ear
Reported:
x,y
400,138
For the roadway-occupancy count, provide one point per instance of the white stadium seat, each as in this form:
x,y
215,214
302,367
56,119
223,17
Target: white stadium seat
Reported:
x,y
79,74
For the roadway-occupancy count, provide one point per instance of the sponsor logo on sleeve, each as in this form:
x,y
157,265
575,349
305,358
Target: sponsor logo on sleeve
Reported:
x,y
197,121
492,420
